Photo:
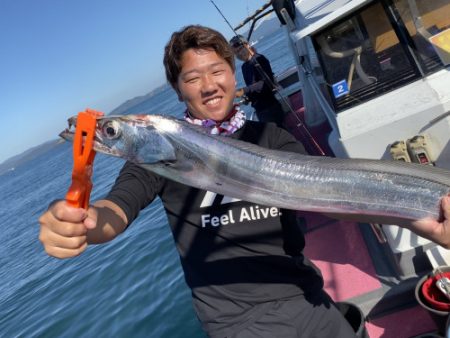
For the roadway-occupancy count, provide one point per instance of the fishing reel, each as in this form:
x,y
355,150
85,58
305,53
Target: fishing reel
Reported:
x,y
243,100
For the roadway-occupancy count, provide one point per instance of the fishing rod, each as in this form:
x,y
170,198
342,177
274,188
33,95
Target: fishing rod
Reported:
x,y
268,81
223,16
300,123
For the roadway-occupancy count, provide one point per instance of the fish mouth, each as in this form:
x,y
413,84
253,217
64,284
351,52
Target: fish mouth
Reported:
x,y
68,134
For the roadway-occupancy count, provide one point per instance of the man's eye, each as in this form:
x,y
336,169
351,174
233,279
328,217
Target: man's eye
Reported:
x,y
192,80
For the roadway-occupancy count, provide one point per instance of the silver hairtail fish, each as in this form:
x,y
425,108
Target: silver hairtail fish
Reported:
x,y
188,154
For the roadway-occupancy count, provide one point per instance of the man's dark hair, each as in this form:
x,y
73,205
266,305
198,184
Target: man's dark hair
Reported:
x,y
237,40
196,37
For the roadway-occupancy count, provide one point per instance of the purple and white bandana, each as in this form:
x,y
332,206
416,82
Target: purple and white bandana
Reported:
x,y
228,126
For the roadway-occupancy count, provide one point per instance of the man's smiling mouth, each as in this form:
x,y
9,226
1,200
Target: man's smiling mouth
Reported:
x,y
213,101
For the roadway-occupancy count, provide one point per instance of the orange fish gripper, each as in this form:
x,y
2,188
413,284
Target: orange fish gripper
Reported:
x,y
83,158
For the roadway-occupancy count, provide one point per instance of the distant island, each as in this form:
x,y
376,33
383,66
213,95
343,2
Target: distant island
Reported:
x,y
120,110
17,160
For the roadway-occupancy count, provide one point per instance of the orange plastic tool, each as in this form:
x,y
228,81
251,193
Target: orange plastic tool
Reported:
x,y
83,158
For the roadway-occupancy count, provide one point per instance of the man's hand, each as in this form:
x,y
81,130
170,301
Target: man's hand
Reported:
x,y
64,229
436,231
240,92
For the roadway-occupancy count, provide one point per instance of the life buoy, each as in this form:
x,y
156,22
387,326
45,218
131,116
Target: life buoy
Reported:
x,y
288,5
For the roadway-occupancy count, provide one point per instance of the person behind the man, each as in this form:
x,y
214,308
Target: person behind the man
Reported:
x,y
248,276
260,83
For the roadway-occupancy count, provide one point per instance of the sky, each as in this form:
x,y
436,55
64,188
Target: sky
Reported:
x,y
59,57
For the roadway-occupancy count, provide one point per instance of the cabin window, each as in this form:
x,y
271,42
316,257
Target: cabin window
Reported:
x,y
371,52
428,26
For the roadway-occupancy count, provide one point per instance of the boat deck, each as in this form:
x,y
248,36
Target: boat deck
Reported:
x,y
293,121
355,272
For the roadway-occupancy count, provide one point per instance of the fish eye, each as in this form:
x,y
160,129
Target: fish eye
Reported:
x,y
111,129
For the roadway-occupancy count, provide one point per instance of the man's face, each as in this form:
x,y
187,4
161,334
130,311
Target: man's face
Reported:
x,y
206,84
241,50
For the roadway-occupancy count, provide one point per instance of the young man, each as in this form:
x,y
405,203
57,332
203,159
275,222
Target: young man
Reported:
x,y
248,276
258,77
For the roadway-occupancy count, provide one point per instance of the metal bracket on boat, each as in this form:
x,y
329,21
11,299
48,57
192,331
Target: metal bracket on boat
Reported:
x,y
83,158
378,232
442,283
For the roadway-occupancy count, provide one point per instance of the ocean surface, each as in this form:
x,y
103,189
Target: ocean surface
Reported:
x,y
130,287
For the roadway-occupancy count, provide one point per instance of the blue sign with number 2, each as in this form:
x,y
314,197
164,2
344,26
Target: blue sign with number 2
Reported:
x,y
340,88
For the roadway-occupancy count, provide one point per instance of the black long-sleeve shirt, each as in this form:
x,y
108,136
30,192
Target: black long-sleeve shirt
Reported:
x,y
259,82
235,254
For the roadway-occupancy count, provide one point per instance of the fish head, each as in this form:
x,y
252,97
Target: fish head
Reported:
x,y
135,138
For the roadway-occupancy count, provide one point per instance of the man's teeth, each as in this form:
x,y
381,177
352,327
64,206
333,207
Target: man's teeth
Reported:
x,y
213,101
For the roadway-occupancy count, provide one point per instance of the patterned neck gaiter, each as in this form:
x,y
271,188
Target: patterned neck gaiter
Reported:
x,y
234,121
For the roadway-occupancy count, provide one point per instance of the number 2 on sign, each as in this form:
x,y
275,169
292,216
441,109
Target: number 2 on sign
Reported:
x,y
340,88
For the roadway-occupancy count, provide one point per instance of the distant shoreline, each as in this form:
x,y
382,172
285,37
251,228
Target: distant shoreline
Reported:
x,y
13,162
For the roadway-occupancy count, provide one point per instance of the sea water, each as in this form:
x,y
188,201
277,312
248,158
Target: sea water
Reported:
x,y
130,287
